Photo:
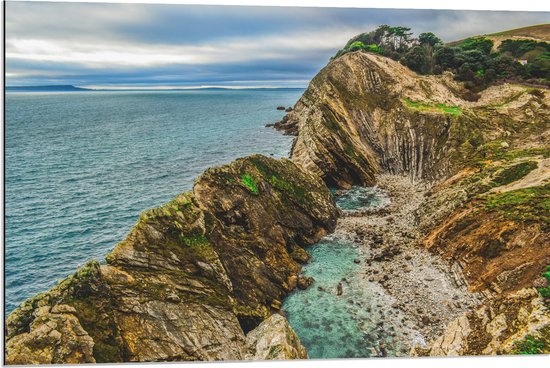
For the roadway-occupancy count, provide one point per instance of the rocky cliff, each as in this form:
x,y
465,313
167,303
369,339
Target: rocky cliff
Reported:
x,y
487,162
364,114
191,279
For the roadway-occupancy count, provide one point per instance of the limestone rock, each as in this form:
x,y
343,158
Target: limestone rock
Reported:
x,y
494,328
55,337
274,339
364,114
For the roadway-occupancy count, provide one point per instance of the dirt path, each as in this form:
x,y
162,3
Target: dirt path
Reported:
x,y
422,292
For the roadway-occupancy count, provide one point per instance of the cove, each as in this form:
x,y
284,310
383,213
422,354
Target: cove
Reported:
x,y
354,324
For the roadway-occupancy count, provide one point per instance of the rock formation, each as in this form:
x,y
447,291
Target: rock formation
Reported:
x,y
497,327
191,278
487,213
364,114
275,339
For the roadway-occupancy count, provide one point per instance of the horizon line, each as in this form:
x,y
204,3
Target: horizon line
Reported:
x,y
160,88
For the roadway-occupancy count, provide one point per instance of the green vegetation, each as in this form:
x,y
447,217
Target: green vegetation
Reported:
x,y
358,45
194,240
249,182
514,173
496,151
274,351
545,292
472,60
533,344
482,44
283,180
282,185
529,345
430,106
520,48
384,40
525,205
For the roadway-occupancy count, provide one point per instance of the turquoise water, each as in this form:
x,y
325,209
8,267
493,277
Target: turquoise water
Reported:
x,y
80,167
358,323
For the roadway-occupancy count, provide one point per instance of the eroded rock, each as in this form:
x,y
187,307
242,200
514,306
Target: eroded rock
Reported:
x,y
190,279
274,339
494,328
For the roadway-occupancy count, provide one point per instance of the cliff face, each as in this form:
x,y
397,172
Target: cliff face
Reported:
x,y
492,222
364,114
191,278
488,162
501,326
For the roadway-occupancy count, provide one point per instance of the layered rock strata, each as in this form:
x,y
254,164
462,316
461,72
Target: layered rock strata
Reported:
x,y
487,162
365,114
191,278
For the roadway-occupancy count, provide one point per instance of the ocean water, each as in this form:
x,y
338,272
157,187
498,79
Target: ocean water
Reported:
x,y
80,167
359,323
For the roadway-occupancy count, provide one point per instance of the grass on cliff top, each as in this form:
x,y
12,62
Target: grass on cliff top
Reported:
x,y
497,151
525,205
194,239
430,106
283,181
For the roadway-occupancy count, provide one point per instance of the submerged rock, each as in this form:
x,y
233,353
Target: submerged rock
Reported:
x,y
305,282
339,289
207,267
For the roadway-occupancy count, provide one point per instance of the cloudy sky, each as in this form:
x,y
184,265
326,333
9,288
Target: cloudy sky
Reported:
x,y
133,45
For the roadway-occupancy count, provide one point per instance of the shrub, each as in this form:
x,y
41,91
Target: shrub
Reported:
x,y
482,44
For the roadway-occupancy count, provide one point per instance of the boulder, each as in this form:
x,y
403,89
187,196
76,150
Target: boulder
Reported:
x,y
274,339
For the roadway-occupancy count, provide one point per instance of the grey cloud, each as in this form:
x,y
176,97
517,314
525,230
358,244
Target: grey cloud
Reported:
x,y
183,44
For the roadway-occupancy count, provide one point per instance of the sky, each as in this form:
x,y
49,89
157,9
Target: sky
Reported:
x,y
100,45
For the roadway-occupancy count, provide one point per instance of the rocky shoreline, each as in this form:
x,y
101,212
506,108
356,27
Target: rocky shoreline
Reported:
x,y
423,293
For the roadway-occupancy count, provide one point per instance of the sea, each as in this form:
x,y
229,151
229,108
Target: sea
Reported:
x,y
81,166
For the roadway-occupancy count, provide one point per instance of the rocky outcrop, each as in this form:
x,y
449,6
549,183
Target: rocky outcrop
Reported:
x,y
364,114
487,212
499,327
274,339
55,337
490,221
191,278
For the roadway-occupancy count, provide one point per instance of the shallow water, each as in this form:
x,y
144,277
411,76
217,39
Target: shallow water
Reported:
x,y
80,167
358,323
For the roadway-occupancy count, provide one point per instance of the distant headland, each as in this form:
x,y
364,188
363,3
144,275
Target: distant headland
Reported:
x,y
52,88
